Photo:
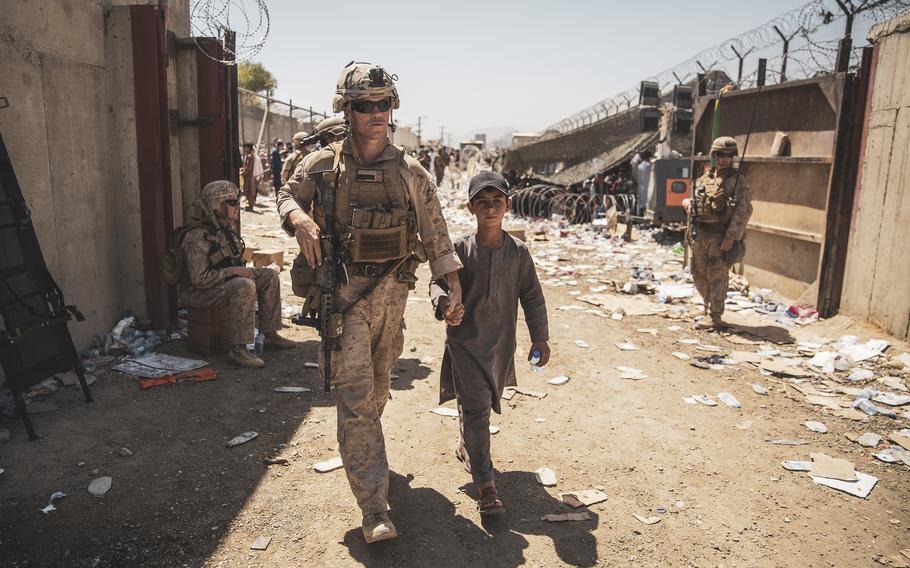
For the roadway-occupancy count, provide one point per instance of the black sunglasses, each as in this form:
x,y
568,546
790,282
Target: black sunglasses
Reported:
x,y
232,202
366,107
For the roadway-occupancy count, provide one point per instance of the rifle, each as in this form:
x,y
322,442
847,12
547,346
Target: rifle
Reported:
x,y
329,321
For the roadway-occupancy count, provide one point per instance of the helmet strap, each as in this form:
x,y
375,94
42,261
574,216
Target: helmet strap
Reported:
x,y
392,126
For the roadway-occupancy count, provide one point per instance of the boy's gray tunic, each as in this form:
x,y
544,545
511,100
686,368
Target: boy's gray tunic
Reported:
x,y
482,348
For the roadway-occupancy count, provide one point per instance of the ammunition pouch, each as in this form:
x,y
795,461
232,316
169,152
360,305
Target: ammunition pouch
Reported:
x,y
305,284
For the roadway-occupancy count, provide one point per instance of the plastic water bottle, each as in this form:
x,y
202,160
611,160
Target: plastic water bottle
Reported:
x,y
534,360
91,353
259,345
864,405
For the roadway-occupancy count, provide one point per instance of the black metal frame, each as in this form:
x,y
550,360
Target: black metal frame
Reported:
x,y
36,342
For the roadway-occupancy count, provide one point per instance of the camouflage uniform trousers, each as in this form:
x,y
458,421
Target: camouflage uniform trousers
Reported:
x,y
709,271
241,295
372,341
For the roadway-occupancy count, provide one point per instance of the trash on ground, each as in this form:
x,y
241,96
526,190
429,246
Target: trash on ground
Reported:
x,y
241,439
869,440
311,365
494,429
157,365
560,380
787,441
526,392
893,455
545,476
274,460
631,373
261,543
581,343
562,517
744,425
689,400
759,389
55,496
860,488
891,399
826,466
443,411
198,376
681,356
797,465
291,389
646,520
816,426
329,465
126,452
583,498
626,346
901,438
100,486
729,400
704,399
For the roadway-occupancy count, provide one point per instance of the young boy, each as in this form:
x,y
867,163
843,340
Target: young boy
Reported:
x,y
480,338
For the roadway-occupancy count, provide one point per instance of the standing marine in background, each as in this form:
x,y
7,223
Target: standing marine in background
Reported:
x,y
385,211
719,211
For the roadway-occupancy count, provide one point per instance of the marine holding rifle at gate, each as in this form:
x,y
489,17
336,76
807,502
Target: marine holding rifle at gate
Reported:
x,y
719,211
364,213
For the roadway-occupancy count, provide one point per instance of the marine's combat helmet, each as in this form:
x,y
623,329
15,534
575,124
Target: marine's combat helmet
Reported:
x,y
299,137
215,193
363,80
724,144
332,126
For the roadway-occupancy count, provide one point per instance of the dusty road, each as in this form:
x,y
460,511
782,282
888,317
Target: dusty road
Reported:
x,y
707,473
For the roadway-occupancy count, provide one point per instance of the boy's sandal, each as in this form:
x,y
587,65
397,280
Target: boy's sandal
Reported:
x,y
489,503
462,456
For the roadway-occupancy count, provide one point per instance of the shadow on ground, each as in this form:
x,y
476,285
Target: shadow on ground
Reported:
x,y
173,500
432,533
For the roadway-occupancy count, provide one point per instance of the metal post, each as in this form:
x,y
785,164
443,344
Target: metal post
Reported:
x,y
313,126
290,122
762,69
783,60
844,46
268,123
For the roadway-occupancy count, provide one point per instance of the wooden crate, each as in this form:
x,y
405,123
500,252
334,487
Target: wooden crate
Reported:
x,y
209,330
266,257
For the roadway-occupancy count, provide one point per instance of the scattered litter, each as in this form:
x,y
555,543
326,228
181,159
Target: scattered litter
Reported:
x,y
443,411
869,350
891,399
291,389
157,365
704,399
526,392
825,466
729,399
545,476
893,455
583,498
311,365
540,420
746,357
816,426
710,348
241,439
869,440
581,343
561,517
494,429
780,367
681,356
646,520
560,380
860,375
631,373
273,460
678,328
126,452
100,486
261,543
689,400
199,376
626,346
330,465
797,465
744,425
787,441
893,383
903,358
56,496
860,488
901,438
648,330
687,341
759,389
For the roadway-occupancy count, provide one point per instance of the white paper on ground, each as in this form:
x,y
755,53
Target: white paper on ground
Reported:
x,y
861,488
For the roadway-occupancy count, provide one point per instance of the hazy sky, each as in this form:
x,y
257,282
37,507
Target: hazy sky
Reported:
x,y
474,66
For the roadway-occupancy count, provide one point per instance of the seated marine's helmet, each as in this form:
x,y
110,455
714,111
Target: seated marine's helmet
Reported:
x,y
363,80
725,144
299,137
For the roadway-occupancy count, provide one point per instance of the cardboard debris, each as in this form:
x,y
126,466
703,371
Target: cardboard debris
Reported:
x,y
562,517
704,399
901,438
545,476
825,466
560,380
869,440
787,441
626,346
796,465
583,498
261,543
746,357
646,520
241,439
816,426
778,367
891,399
329,465
851,414
860,488
681,356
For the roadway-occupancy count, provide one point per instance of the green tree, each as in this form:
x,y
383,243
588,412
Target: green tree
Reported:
x,y
255,77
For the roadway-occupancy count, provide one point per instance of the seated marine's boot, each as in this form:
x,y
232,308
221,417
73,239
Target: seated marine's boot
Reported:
x,y
378,526
241,356
274,340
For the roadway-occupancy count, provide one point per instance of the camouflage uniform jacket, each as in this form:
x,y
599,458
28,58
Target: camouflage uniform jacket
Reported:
x,y
299,193
290,164
737,185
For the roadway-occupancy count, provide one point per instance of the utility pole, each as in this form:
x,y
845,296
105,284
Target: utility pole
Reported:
x,y
419,131
442,135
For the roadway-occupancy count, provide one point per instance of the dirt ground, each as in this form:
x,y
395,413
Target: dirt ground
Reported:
x,y
184,499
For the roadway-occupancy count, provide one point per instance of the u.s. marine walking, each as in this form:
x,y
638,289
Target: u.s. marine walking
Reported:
x,y
719,211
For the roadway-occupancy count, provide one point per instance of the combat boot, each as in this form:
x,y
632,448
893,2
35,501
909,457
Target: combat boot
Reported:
x,y
241,356
378,526
711,322
274,340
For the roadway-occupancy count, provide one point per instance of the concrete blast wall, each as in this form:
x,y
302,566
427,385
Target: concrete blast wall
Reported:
x,y
877,283
70,130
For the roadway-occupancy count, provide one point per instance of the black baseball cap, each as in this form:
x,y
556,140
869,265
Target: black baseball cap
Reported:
x,y
487,179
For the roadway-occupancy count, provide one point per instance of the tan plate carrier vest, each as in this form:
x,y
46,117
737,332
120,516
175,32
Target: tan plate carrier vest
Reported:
x,y
714,201
373,215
